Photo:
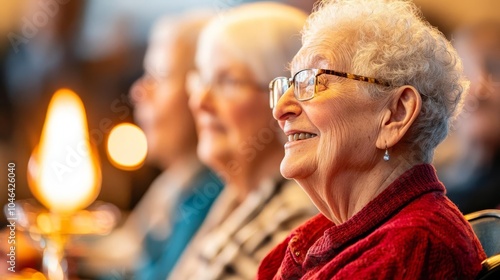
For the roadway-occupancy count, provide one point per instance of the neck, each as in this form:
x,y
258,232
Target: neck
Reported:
x,y
347,192
181,159
246,176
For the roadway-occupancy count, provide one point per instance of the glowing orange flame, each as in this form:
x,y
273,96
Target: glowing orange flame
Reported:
x,y
64,172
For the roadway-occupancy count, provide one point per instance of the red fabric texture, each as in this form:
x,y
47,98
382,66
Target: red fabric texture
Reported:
x,y
410,231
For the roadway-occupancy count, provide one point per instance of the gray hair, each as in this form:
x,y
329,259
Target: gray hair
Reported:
x,y
389,40
183,29
263,35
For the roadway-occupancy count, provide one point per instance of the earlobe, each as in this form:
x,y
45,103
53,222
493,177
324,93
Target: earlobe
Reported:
x,y
399,115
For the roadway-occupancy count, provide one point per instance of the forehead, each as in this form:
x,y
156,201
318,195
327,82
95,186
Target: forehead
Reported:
x,y
311,57
218,59
162,55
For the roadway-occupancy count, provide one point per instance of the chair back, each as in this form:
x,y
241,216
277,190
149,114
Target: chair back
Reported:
x,y
491,269
486,226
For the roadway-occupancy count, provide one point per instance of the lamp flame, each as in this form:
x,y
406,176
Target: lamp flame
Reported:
x,y
64,172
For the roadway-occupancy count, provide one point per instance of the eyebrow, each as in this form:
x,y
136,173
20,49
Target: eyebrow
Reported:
x,y
307,62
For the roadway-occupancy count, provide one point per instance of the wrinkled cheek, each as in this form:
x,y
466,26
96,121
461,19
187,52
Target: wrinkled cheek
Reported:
x,y
327,152
251,133
334,146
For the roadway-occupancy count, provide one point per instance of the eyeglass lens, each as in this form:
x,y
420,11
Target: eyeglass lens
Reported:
x,y
304,84
278,87
305,81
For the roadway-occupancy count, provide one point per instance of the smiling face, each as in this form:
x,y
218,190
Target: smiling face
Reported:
x,y
332,133
232,115
161,103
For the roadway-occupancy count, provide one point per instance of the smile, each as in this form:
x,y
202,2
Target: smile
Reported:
x,y
300,136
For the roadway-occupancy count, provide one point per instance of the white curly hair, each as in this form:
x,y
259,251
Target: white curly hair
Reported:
x,y
263,35
390,40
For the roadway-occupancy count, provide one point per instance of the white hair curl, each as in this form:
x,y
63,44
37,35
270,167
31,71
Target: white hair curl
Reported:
x,y
390,40
263,35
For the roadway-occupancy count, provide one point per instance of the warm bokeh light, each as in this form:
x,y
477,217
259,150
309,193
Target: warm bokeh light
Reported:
x,y
64,172
127,146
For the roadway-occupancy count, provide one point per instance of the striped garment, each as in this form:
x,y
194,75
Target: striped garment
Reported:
x,y
236,236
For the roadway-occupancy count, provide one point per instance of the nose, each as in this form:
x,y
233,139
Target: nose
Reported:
x,y
201,99
140,90
287,106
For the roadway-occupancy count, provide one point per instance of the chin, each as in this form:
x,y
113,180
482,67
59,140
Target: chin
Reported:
x,y
294,168
209,153
289,172
204,153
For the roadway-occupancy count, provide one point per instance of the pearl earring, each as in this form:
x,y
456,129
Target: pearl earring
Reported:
x,y
386,155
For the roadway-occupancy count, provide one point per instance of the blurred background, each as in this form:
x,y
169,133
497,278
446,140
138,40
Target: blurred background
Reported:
x,y
96,49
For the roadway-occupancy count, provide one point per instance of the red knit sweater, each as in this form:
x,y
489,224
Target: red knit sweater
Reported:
x,y
410,231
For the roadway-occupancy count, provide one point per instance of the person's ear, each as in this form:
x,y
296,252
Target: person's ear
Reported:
x,y
398,116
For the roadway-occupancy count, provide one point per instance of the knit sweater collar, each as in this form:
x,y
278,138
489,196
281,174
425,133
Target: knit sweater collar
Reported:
x,y
413,183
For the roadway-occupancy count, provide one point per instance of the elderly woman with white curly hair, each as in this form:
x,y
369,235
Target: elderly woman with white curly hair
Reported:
x,y
238,53
372,92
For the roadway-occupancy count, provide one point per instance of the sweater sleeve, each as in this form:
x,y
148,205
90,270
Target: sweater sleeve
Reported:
x,y
409,253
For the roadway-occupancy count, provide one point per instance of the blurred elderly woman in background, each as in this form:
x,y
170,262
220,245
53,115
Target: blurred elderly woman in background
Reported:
x,y
373,89
238,54
159,228
472,170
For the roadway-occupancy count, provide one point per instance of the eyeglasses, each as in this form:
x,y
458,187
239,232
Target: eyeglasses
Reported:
x,y
305,83
225,85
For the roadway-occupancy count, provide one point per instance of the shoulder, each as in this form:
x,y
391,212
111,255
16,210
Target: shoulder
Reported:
x,y
409,248
436,216
432,229
204,185
206,177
